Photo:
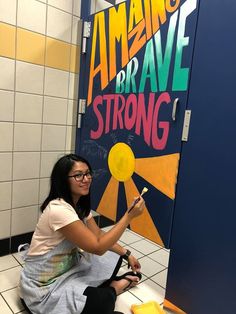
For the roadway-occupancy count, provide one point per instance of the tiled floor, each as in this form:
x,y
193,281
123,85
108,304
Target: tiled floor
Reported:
x,y
152,257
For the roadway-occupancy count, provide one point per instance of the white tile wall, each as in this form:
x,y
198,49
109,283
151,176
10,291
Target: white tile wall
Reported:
x,y
33,77
6,131
7,73
8,11
48,159
6,105
72,112
5,195
73,86
5,166
44,189
27,137
5,219
66,5
32,15
54,138
35,111
30,215
26,165
77,8
59,24
70,138
76,31
56,83
28,108
25,193
52,105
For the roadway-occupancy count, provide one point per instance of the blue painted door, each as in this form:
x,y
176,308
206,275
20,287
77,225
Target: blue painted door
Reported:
x,y
202,276
136,67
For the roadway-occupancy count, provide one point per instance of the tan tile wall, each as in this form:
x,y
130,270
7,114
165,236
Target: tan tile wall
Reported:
x,y
39,64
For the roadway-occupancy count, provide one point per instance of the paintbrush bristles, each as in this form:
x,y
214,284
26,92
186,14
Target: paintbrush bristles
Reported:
x,y
144,191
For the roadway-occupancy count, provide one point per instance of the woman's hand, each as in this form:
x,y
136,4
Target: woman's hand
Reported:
x,y
134,264
137,207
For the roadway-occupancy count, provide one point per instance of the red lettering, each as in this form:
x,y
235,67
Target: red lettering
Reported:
x,y
160,143
96,134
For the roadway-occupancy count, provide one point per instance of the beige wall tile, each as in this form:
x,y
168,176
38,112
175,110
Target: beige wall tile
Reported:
x,y
56,83
77,8
27,137
54,138
5,166
33,77
26,165
6,105
25,193
66,5
76,31
28,108
70,138
6,131
55,110
59,24
5,195
24,220
73,86
32,15
8,11
72,112
5,217
7,73
48,159
44,189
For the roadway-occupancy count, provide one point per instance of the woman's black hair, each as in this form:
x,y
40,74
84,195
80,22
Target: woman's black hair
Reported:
x,y
59,185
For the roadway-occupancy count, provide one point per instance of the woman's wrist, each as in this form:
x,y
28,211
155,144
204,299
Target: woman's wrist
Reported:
x,y
126,255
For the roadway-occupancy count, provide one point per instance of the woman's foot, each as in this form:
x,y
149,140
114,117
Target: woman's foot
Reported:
x,y
124,283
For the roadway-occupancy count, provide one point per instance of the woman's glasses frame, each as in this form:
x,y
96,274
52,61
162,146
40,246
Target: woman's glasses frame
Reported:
x,y
79,177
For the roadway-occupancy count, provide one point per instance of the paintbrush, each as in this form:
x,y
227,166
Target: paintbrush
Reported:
x,y
138,199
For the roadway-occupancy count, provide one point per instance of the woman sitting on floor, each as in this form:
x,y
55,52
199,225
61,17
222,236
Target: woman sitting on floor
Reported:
x,y
71,265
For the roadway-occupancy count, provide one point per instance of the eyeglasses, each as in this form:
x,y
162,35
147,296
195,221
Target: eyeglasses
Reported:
x,y
80,176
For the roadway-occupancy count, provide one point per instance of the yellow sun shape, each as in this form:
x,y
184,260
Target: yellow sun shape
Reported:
x,y
159,171
121,162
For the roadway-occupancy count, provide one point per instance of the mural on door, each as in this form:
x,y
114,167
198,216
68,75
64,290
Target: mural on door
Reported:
x,y
137,66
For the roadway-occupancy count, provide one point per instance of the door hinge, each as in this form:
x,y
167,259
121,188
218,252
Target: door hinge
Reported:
x,y
81,111
86,34
186,125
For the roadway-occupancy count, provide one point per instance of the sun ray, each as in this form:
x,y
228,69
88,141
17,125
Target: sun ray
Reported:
x,y
143,224
160,171
108,204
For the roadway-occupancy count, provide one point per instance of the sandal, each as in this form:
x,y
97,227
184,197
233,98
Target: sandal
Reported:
x,y
124,276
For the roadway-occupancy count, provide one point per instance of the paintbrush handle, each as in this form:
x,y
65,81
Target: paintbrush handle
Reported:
x,y
135,202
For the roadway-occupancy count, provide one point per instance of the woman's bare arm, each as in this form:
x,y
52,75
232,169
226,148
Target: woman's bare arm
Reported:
x,y
99,243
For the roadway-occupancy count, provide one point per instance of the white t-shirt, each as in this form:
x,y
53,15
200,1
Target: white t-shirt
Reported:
x,y
56,215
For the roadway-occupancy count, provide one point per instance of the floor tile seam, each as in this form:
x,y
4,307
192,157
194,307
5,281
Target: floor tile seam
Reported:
x,y
152,260
21,263
156,261
12,288
145,254
7,303
149,276
132,242
156,281
7,269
